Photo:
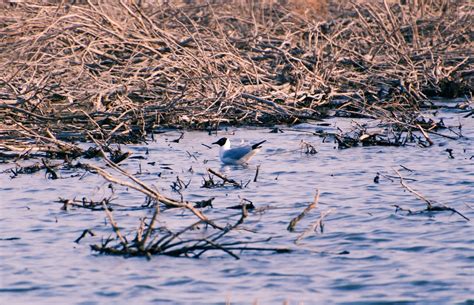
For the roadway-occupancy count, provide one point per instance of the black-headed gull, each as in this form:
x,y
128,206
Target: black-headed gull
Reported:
x,y
239,155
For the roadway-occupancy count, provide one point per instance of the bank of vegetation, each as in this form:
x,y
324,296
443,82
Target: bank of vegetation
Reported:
x,y
120,69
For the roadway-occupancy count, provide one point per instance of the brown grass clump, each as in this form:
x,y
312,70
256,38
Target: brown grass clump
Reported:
x,y
117,69
309,8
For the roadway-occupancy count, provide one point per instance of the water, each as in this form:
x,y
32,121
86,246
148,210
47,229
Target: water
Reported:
x,y
391,257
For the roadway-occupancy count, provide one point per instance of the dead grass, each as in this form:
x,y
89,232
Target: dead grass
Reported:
x,y
118,69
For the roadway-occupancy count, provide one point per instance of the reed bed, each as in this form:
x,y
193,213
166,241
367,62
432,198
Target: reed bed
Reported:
x,y
117,70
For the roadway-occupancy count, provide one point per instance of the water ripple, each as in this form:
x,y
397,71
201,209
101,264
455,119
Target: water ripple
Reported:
x,y
369,253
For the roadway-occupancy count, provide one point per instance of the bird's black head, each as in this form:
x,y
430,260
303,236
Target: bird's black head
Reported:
x,y
221,142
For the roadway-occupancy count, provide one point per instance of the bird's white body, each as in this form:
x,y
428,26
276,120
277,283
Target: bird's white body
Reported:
x,y
239,155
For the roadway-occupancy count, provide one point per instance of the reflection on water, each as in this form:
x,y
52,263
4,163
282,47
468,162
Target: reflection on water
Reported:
x,y
392,257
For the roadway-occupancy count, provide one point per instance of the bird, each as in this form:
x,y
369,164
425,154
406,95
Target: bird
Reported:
x,y
239,155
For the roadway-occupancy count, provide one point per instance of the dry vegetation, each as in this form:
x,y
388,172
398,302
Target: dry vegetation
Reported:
x,y
118,69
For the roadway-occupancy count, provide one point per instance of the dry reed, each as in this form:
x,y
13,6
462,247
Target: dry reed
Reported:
x,y
119,69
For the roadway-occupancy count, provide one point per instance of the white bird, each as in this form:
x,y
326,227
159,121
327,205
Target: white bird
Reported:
x,y
239,155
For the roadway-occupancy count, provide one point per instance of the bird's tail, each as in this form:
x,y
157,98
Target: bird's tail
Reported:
x,y
257,145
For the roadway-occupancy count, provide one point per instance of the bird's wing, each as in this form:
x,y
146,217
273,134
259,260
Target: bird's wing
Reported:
x,y
237,153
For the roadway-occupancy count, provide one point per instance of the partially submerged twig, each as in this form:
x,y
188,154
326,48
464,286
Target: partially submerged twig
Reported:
x,y
256,173
224,178
408,188
294,221
319,223
430,207
114,225
84,233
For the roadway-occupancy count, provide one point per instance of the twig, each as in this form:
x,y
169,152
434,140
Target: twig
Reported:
x,y
425,134
114,225
430,207
84,233
256,173
294,221
314,227
149,230
224,178
402,182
